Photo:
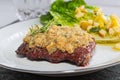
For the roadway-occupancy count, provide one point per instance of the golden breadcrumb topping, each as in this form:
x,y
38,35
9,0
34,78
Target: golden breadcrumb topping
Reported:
x,y
63,38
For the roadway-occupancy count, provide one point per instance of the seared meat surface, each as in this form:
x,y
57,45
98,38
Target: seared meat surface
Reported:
x,y
81,56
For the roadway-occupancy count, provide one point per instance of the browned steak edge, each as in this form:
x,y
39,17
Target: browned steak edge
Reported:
x,y
81,56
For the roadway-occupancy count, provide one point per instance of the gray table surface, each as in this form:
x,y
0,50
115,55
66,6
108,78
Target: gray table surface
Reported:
x,y
112,73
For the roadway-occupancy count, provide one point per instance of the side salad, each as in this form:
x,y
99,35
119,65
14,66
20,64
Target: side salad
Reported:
x,y
105,28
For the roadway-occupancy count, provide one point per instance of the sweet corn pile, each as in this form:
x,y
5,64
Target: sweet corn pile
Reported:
x,y
96,22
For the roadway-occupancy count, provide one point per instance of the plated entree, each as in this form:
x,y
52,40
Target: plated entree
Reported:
x,y
105,28
70,32
59,43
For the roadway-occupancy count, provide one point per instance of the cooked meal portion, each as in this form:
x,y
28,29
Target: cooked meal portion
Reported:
x,y
67,33
58,43
105,28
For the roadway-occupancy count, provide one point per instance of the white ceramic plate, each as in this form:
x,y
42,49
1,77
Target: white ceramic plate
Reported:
x,y
11,37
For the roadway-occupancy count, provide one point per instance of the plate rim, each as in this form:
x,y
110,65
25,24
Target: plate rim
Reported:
x,y
71,71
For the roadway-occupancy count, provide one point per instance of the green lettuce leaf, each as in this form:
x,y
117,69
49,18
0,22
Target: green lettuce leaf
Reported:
x,y
62,12
46,18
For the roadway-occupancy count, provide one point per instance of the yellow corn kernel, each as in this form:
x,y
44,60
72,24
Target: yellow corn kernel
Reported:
x,y
116,29
115,21
111,32
82,7
101,19
102,33
117,46
108,26
96,24
85,24
101,23
90,21
79,15
79,9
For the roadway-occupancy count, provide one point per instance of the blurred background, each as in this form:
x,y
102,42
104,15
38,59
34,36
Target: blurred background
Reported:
x,y
8,12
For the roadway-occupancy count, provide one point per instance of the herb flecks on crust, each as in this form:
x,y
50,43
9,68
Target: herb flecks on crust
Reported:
x,y
63,38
